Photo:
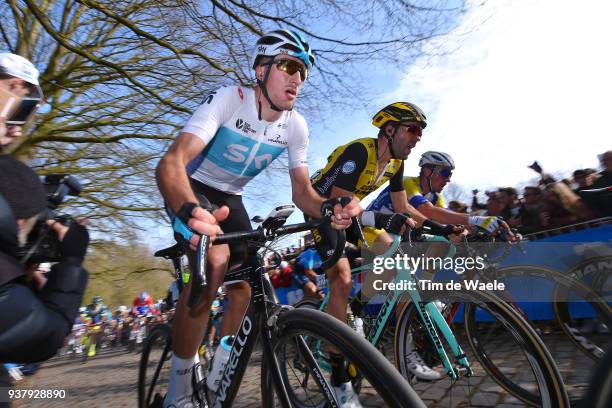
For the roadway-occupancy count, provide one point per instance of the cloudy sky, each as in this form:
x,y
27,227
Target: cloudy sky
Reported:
x,y
532,81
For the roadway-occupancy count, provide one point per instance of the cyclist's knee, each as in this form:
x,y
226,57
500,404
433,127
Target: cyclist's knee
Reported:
x,y
218,257
340,282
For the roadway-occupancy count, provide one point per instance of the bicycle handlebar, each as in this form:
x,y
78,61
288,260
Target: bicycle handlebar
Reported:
x,y
260,235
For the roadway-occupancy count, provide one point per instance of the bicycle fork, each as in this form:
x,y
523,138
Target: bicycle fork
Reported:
x,y
427,311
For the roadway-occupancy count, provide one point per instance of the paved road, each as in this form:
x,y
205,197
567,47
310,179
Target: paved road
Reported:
x,y
109,380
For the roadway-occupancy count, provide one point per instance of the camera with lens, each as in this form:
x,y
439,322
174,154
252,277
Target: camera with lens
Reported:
x,y
43,244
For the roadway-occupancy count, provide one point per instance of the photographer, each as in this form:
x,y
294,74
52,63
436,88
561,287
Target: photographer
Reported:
x,y
38,309
42,307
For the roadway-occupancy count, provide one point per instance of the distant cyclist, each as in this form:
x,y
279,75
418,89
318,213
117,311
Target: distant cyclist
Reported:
x,y
142,305
306,272
97,310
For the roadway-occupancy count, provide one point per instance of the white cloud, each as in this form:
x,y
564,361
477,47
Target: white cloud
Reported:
x,y
532,82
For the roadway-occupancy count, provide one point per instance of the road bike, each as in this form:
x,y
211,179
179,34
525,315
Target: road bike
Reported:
x,y
437,322
282,331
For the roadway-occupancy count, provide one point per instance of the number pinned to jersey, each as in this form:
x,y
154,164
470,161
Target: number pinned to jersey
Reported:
x,y
349,167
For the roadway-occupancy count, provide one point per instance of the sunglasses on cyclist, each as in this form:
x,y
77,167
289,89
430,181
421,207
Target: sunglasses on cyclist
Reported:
x,y
414,129
291,67
445,172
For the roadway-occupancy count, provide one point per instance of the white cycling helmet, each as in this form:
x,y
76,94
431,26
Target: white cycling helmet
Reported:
x,y
283,42
432,158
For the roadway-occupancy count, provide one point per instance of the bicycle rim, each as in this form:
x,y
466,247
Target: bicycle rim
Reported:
x,y
500,352
380,382
154,370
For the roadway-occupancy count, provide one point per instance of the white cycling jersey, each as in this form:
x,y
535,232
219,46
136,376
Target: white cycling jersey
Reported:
x,y
239,145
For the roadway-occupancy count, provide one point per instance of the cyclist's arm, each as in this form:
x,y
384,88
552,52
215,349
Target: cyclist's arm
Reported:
x,y
173,183
307,199
171,175
401,205
443,215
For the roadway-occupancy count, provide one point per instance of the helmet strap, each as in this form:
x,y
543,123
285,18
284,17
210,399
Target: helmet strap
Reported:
x,y
264,90
428,178
390,139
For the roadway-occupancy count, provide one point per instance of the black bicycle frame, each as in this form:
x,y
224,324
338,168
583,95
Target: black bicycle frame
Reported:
x,y
259,319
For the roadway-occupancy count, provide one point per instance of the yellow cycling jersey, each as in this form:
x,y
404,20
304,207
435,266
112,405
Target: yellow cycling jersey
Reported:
x,y
414,194
354,167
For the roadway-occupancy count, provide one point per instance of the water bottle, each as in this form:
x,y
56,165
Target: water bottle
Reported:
x,y
219,362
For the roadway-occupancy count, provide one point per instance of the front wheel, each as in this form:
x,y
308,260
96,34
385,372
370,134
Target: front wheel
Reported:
x,y
305,338
507,355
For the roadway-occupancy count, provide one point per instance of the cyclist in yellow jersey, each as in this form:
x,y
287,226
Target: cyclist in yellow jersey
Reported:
x,y
356,169
424,193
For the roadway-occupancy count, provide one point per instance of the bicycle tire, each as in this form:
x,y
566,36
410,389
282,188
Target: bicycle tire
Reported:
x,y
544,369
161,333
560,299
599,394
377,370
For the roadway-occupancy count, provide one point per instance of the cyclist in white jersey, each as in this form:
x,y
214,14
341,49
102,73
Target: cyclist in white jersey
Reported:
x,y
230,138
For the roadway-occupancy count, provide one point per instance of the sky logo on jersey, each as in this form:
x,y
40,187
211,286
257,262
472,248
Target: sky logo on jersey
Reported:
x,y
240,155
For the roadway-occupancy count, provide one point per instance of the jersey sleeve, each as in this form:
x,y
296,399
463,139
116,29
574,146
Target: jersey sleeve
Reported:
x,y
397,181
216,108
441,202
382,202
413,192
298,142
349,166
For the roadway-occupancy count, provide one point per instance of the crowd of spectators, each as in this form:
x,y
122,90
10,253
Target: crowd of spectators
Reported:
x,y
550,203
546,205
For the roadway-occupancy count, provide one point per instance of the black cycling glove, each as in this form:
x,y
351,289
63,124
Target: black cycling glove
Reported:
x,y
392,223
327,207
436,228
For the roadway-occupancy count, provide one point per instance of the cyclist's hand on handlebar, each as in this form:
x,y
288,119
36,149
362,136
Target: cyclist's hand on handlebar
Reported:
x,y
204,222
392,223
495,226
341,218
192,220
459,234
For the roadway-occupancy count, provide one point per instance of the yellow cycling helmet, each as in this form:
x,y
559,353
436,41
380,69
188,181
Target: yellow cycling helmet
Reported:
x,y
400,112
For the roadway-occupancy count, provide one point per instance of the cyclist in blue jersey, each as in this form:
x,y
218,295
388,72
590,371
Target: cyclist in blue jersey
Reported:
x,y
424,194
305,273
96,310
236,133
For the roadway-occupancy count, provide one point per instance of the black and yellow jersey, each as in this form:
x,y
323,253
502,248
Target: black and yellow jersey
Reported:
x,y
354,167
